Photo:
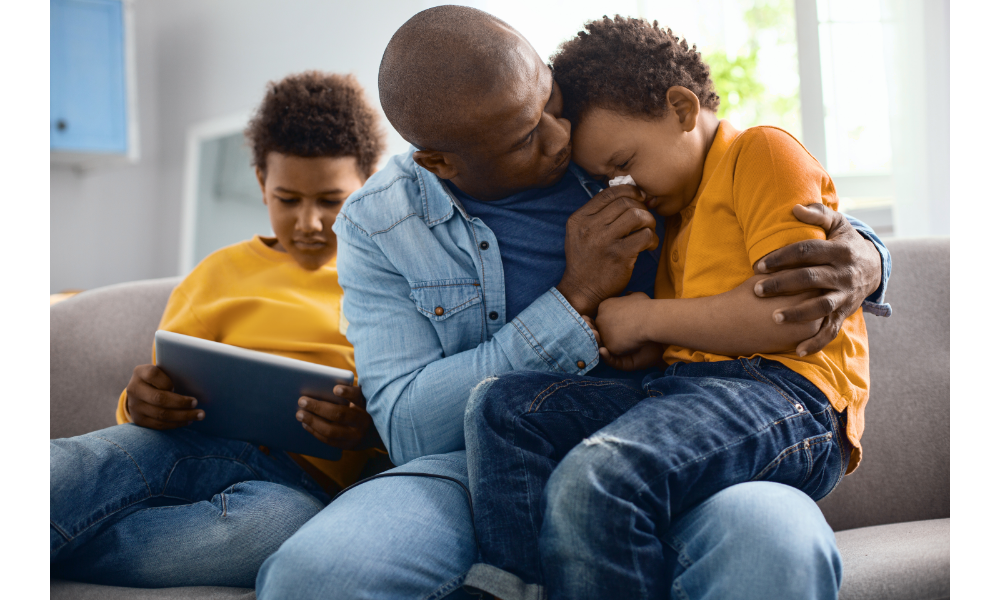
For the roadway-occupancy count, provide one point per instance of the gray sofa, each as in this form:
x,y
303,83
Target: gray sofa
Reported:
x,y
891,516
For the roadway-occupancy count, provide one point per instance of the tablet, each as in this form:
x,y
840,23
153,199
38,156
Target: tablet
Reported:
x,y
249,395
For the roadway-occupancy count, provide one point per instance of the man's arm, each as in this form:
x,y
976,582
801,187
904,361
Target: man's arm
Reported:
x,y
850,269
417,394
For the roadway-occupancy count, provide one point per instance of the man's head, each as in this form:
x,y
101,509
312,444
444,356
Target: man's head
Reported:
x,y
315,139
475,98
635,93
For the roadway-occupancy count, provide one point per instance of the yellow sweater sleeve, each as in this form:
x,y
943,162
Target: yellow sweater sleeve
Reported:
x,y
179,316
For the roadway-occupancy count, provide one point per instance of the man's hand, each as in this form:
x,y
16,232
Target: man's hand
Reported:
x,y
153,404
343,425
846,267
603,240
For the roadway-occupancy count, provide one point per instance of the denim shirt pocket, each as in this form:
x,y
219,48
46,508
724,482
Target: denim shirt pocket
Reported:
x,y
447,303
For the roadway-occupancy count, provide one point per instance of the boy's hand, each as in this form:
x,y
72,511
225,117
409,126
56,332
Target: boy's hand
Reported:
x,y
845,267
342,425
153,404
619,321
649,355
603,240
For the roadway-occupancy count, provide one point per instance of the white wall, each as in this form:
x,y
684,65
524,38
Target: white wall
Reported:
x,y
196,61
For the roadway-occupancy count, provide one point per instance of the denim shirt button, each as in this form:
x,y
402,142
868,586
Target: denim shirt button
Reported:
x,y
439,311
580,364
484,245
494,315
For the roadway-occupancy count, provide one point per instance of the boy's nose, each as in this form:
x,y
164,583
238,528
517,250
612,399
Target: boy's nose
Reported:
x,y
310,220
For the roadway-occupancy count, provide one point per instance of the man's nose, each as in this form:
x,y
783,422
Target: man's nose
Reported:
x,y
557,136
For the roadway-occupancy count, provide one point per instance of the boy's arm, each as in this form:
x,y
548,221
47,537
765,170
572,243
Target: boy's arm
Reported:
x,y
734,323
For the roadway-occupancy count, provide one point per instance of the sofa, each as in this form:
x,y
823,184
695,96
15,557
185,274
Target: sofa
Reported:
x,y
891,517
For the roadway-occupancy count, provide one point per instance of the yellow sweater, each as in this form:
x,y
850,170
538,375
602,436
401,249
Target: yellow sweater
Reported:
x,y
253,296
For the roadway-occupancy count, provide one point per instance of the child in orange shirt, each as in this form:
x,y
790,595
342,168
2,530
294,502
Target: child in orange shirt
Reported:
x,y
150,503
720,413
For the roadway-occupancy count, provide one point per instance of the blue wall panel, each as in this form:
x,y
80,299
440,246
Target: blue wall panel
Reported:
x,y
87,103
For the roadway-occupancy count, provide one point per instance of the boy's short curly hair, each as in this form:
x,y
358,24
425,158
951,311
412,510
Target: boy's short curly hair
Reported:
x,y
313,114
625,64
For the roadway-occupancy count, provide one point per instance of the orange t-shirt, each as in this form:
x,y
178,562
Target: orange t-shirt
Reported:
x,y
742,212
253,296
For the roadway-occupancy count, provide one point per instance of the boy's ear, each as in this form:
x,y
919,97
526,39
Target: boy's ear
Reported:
x,y
685,104
260,181
442,164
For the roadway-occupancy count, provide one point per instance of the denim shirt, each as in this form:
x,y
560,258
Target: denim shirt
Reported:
x,y
419,291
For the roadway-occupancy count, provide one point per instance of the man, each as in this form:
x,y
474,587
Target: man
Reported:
x,y
435,309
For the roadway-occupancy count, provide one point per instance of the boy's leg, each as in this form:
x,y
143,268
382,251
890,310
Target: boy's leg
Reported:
x,y
518,426
613,497
756,540
115,493
394,537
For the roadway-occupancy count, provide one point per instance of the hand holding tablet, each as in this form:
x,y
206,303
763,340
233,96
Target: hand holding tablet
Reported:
x,y
254,396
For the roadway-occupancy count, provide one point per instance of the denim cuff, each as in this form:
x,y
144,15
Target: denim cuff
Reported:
x,y
549,335
502,584
876,304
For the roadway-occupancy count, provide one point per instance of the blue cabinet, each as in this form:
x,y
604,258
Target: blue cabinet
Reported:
x,y
88,107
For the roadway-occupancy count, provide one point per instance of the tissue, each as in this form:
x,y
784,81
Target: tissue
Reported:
x,y
622,180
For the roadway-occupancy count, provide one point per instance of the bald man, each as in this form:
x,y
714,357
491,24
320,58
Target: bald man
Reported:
x,y
478,253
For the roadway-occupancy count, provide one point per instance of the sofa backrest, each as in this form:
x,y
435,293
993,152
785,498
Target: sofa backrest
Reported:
x,y
99,336
904,474
96,338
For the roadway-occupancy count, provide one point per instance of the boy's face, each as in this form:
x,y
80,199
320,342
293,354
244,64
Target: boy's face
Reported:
x,y
303,197
665,156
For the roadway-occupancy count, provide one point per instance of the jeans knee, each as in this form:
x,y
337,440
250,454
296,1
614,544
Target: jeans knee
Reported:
x,y
781,524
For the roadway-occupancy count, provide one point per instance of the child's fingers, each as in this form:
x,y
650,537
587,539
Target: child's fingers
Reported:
x,y
352,393
329,429
342,414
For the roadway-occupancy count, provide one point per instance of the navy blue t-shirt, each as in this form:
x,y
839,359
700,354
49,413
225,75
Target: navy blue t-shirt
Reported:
x,y
531,229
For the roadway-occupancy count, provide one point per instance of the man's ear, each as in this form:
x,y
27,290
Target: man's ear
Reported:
x,y
442,164
684,103
260,181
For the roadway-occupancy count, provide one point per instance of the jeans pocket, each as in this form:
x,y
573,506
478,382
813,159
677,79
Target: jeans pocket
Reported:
x,y
805,465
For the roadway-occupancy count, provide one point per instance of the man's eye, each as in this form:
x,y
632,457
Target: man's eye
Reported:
x,y
330,203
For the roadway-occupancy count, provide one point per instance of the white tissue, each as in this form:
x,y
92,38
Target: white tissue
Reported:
x,y
622,180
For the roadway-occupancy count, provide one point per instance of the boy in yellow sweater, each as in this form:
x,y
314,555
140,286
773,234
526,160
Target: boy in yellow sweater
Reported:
x,y
149,503
621,463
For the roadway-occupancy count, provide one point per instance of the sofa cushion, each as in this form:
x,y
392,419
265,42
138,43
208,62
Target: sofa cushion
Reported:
x,y
71,590
909,561
95,340
904,475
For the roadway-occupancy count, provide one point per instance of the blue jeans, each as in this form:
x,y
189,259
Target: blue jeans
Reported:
x,y
631,459
136,507
411,538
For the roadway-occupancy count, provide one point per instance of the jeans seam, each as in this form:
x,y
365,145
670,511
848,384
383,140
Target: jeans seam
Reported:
x,y
764,379
236,460
531,407
570,382
137,467
446,588
635,557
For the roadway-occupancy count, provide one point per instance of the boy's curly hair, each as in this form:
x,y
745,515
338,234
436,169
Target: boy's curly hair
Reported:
x,y
627,65
313,114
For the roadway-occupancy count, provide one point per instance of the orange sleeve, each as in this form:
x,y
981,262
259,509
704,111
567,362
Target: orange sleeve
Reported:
x,y
179,316
774,172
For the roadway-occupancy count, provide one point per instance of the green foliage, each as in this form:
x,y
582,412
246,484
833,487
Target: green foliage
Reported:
x,y
735,80
744,98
